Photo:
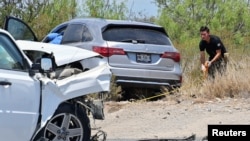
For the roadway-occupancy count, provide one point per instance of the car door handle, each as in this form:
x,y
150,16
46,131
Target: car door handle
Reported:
x,y
4,83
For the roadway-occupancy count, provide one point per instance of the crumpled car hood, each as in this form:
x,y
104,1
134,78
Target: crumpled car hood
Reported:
x,y
63,54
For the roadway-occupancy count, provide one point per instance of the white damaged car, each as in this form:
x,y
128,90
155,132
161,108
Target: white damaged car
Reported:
x,y
43,93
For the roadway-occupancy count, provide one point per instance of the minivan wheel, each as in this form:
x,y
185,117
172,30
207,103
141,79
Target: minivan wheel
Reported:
x,y
69,123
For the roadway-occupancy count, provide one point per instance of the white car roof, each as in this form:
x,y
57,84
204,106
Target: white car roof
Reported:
x,y
63,54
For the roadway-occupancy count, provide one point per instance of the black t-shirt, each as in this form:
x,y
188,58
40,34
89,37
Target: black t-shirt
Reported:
x,y
211,47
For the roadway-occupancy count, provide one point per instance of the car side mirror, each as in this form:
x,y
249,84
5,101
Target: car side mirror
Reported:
x,y
46,64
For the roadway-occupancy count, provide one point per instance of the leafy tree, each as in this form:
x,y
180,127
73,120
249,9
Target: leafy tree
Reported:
x,y
109,9
41,15
54,13
183,18
227,18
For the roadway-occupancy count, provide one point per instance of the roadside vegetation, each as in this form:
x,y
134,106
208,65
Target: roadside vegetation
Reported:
x,y
228,19
182,19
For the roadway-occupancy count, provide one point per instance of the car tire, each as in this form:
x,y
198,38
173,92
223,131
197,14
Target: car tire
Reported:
x,y
70,123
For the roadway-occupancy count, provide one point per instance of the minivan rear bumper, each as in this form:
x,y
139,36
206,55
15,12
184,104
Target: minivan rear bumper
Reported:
x,y
148,83
146,78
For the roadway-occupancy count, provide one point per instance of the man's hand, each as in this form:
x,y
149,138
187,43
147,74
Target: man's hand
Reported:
x,y
209,63
203,68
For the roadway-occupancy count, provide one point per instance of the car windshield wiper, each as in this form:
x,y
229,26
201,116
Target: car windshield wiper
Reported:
x,y
134,41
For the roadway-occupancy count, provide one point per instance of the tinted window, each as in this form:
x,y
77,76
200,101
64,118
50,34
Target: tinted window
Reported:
x,y
10,57
86,35
148,36
61,30
76,33
20,31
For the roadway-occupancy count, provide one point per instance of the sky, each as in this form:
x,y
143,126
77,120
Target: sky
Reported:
x,y
147,7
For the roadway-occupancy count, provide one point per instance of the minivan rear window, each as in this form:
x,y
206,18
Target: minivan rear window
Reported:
x,y
138,35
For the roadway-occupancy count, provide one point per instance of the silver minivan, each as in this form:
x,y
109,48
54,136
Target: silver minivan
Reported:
x,y
139,54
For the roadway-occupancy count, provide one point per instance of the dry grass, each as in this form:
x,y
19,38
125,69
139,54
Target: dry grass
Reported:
x,y
234,83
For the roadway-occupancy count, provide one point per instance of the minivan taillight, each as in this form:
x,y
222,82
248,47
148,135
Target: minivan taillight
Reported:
x,y
172,55
107,51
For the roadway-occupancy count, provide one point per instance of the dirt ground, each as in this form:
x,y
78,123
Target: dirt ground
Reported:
x,y
170,119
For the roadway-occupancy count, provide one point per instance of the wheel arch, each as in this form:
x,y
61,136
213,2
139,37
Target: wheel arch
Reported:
x,y
78,109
